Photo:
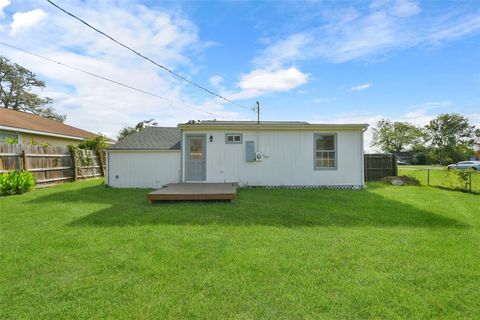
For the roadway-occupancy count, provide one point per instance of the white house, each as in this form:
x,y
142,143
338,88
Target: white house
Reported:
x,y
252,154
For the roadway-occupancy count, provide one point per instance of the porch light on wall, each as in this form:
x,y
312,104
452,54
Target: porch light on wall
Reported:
x,y
211,138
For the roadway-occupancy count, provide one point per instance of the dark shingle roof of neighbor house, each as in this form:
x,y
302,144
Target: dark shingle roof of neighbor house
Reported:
x,y
151,138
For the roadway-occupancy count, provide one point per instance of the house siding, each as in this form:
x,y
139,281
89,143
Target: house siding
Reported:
x,y
53,141
288,159
143,169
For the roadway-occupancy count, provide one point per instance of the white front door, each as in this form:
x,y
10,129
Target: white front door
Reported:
x,y
195,158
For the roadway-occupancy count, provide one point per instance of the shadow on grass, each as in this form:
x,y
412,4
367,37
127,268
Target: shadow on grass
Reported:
x,y
277,207
454,189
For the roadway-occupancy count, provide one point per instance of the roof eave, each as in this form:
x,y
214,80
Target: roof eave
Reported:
x,y
139,149
201,126
43,133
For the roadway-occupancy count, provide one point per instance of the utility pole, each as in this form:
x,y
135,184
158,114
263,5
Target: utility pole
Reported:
x,y
258,112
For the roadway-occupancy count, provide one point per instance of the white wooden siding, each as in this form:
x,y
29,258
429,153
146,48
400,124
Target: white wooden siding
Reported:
x,y
288,159
143,169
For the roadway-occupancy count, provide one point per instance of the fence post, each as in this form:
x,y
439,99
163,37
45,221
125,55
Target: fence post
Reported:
x,y
365,166
395,165
74,163
24,158
428,177
470,181
101,162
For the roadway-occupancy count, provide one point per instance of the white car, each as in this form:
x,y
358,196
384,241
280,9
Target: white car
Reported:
x,y
464,165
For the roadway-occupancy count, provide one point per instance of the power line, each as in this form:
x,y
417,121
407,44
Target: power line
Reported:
x,y
147,58
106,79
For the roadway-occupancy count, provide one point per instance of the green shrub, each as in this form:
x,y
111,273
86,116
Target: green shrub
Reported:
x,y
16,182
464,177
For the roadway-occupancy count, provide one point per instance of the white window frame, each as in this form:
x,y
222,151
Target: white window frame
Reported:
x,y
6,133
335,151
239,135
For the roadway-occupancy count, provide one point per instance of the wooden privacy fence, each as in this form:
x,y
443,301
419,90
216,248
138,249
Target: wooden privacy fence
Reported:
x,y
51,164
378,166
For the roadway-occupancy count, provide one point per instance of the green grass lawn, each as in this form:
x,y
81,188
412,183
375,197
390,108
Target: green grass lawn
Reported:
x,y
439,177
80,250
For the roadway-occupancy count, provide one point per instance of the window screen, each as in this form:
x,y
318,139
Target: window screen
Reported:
x,y
325,151
233,138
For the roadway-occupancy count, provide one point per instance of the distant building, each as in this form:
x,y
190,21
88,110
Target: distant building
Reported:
x,y
475,156
406,156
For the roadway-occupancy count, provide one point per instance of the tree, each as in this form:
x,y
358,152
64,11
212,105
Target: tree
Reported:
x,y
126,131
451,137
97,143
477,139
16,84
395,136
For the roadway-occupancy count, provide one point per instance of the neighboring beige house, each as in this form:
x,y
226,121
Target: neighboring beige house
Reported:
x,y
27,128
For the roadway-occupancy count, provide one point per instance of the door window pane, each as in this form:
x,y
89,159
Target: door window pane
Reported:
x,y
196,148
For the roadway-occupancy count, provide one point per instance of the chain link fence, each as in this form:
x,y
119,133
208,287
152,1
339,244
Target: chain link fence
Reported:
x,y
464,180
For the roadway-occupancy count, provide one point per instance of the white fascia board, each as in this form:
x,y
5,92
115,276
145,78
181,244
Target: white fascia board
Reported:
x,y
244,127
42,133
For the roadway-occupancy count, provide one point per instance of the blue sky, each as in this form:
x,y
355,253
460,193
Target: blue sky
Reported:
x,y
319,61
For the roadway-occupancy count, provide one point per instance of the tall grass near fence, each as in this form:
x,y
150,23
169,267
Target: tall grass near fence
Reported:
x,y
441,177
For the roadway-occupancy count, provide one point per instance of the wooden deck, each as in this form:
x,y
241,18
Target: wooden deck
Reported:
x,y
194,191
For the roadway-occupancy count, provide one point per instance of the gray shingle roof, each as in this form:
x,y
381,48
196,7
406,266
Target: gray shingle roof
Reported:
x,y
222,123
151,138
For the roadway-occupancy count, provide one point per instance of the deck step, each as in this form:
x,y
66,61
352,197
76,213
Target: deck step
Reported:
x,y
194,191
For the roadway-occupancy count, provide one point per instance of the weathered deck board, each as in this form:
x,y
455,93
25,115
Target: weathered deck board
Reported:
x,y
194,191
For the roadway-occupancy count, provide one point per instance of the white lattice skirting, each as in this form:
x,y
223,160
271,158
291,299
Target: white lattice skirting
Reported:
x,y
343,187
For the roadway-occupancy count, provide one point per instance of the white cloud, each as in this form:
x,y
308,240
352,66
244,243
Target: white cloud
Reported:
x,y
99,106
215,80
349,34
446,30
361,87
283,51
281,80
420,117
3,5
259,82
405,8
320,100
25,20
435,104
271,74
398,8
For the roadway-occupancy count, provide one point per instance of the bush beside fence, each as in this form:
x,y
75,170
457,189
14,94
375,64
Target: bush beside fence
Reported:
x,y
51,164
440,177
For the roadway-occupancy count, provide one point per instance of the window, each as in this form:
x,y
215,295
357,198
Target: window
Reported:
x,y
8,137
196,148
325,151
233,138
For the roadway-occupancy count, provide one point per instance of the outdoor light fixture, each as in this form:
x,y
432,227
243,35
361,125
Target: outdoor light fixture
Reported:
x,y
211,138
